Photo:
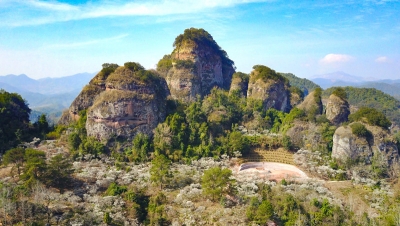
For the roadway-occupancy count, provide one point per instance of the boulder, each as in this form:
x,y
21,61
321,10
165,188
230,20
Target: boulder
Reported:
x,y
337,110
347,145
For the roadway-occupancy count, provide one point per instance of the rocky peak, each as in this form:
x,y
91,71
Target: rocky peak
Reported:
x,y
196,65
312,102
128,100
337,109
269,87
85,98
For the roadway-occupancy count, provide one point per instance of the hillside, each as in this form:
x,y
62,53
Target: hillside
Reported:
x,y
305,85
370,97
193,143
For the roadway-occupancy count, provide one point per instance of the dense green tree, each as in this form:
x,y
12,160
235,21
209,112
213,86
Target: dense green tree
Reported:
x,y
157,214
217,182
14,120
264,212
141,146
115,189
58,172
237,143
159,171
15,156
74,141
370,116
164,64
35,167
340,92
92,146
43,125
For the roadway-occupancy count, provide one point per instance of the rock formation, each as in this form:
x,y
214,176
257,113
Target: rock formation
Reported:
x,y
337,109
86,97
125,102
269,87
240,82
196,65
312,102
347,145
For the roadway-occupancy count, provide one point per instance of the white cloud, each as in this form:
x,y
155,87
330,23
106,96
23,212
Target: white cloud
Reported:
x,y
36,12
336,58
382,59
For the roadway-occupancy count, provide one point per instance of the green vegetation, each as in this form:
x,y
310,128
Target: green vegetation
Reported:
x,y
370,116
58,172
108,68
216,182
340,92
296,90
359,130
243,76
14,120
159,170
201,37
164,64
141,146
185,64
134,66
372,98
15,156
265,73
305,85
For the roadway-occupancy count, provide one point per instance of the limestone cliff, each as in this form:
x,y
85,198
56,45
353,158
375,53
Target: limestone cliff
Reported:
x,y
337,109
196,65
269,87
347,145
130,100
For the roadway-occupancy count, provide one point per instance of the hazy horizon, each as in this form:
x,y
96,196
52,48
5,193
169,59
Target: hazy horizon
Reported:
x,y
61,38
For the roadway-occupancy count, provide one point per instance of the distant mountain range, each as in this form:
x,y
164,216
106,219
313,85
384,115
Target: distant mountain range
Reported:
x,y
48,95
388,86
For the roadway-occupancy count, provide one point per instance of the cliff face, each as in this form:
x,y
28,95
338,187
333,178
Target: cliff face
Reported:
x,y
198,64
85,99
337,110
270,88
346,145
128,101
240,82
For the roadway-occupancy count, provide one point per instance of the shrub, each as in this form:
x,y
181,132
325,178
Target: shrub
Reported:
x,y
165,63
108,68
359,130
340,92
115,189
185,64
371,116
134,66
265,73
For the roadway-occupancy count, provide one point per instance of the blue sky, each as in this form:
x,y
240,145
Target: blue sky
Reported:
x,y
59,38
